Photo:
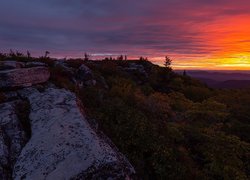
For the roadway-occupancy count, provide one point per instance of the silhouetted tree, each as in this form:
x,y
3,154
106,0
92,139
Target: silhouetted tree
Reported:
x,y
184,73
86,57
126,58
11,53
28,54
143,59
19,54
168,62
16,54
2,55
46,54
120,57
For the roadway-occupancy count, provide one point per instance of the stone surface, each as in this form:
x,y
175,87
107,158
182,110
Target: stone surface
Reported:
x,y
65,67
5,167
11,95
12,138
84,76
63,144
11,65
23,77
85,72
35,64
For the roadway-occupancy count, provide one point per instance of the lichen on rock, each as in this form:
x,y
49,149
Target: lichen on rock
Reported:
x,y
63,145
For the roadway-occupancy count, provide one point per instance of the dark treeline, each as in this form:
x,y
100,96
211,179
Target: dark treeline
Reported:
x,y
169,126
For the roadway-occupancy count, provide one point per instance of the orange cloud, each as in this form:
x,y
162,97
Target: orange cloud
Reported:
x,y
229,40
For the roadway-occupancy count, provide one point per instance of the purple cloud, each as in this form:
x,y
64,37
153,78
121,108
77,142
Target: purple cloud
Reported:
x,y
150,27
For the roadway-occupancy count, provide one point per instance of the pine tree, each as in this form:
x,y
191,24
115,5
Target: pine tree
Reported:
x,y
184,73
168,62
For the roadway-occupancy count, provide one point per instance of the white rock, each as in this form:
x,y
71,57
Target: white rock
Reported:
x,y
63,145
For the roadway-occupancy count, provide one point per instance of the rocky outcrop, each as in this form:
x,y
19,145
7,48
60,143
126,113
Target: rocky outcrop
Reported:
x,y
23,77
133,67
63,66
63,145
84,76
11,65
12,138
44,133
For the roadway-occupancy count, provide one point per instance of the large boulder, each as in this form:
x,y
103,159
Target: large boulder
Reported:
x,y
63,144
84,76
84,72
23,77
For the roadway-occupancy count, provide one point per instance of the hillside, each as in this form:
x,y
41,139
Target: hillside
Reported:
x,y
121,119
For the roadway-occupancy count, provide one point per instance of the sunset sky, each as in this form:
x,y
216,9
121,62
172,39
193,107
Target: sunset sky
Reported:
x,y
196,34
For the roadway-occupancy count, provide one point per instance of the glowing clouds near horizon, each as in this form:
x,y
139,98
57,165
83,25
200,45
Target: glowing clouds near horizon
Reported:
x,y
227,44
196,34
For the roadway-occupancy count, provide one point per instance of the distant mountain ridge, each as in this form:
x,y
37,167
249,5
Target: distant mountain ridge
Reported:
x,y
222,79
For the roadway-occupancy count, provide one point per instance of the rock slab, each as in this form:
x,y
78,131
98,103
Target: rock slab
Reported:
x,y
63,144
23,77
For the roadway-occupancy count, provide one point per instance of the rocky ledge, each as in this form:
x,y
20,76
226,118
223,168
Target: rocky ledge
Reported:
x,y
63,145
59,142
